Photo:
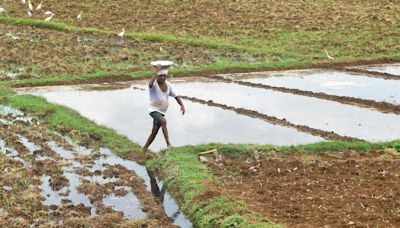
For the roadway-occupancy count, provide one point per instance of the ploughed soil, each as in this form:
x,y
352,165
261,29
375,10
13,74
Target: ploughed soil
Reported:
x,y
315,189
21,197
29,52
229,19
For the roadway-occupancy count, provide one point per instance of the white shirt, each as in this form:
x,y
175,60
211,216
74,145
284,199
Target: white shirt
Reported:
x,y
159,99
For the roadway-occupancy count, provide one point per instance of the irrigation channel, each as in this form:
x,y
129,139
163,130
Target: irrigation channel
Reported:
x,y
281,108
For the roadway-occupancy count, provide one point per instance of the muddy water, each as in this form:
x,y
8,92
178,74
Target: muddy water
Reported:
x,y
334,83
390,69
126,111
321,114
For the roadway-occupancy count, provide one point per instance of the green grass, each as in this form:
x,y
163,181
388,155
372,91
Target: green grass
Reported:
x,y
190,180
59,117
185,175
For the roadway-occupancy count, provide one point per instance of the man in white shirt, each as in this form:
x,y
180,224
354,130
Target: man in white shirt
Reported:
x,y
160,90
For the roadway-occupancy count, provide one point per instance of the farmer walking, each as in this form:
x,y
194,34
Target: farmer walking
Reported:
x,y
160,90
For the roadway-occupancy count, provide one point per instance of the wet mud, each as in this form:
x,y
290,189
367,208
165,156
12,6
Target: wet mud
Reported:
x,y
346,189
375,74
47,180
384,107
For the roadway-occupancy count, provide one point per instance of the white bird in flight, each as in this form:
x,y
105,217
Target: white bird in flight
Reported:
x,y
39,6
329,56
121,34
30,5
79,17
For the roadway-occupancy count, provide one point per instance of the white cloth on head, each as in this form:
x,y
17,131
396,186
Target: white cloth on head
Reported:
x,y
163,72
159,99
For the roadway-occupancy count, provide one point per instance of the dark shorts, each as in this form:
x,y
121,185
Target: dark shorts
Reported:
x,y
156,117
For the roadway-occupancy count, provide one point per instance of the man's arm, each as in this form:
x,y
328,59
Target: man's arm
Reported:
x,y
179,100
153,78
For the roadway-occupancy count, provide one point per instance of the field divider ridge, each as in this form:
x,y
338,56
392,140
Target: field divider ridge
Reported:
x,y
276,121
380,106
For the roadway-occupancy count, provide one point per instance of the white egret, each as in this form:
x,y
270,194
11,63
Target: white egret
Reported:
x,y
30,5
329,56
79,17
48,13
39,6
29,14
49,18
2,10
121,34
23,2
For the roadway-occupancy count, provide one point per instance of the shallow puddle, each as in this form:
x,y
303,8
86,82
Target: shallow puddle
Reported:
x,y
334,83
390,68
345,120
125,110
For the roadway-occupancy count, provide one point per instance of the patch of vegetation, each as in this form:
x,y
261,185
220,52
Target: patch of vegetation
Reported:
x,y
185,175
62,119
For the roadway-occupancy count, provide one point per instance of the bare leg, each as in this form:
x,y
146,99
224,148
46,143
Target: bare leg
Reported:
x,y
151,138
165,131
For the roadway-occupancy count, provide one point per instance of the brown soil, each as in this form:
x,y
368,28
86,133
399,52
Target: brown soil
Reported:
x,y
374,74
20,195
257,18
316,190
82,53
274,120
380,106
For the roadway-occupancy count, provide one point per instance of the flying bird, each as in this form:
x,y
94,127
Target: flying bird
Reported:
x,y
30,5
39,6
2,10
121,34
79,17
329,56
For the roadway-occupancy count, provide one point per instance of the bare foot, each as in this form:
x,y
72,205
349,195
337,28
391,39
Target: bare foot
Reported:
x,y
170,146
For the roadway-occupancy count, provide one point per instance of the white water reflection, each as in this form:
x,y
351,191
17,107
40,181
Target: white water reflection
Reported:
x,y
125,110
335,83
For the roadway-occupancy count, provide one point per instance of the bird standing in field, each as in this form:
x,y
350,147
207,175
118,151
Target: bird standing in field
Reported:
x,y
23,2
79,17
30,6
2,10
121,34
39,6
329,56
29,13
49,14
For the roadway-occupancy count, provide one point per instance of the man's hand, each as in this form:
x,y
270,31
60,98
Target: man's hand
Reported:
x,y
158,67
183,109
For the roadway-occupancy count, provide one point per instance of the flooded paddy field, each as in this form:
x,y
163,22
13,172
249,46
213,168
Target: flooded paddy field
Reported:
x,y
393,69
316,113
126,111
47,179
331,82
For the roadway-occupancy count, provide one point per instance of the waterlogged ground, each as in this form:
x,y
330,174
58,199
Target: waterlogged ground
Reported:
x,y
393,69
333,82
125,110
346,189
48,180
